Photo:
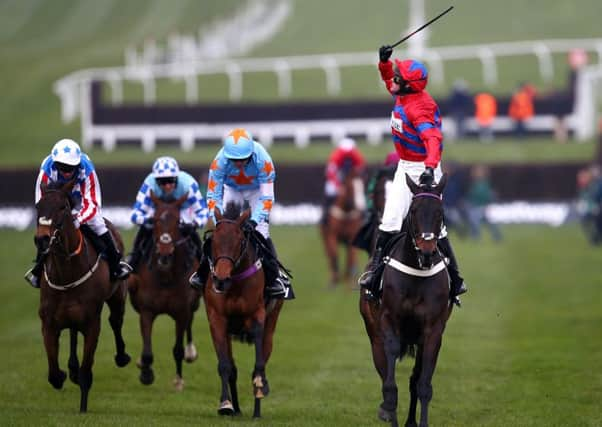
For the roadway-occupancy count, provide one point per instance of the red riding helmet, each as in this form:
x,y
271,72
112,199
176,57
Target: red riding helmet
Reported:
x,y
413,73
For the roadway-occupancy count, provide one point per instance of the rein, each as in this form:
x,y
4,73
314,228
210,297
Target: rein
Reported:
x,y
254,268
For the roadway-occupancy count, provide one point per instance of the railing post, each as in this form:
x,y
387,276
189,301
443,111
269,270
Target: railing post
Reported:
x,y
235,78
487,58
546,66
283,71
333,75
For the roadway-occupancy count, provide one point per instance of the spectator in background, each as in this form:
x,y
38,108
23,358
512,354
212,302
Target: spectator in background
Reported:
x,y
522,108
460,107
456,216
589,202
479,195
485,112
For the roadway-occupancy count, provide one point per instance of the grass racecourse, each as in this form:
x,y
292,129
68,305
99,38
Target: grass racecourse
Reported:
x,y
525,349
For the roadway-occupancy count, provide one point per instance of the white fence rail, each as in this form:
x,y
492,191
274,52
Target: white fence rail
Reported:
x,y
74,92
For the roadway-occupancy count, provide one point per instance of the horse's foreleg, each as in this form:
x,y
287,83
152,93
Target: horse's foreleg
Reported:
x,y
219,335
430,352
232,380
56,377
260,384
116,305
388,409
268,332
351,272
369,313
73,360
190,352
145,363
330,246
178,350
411,420
85,370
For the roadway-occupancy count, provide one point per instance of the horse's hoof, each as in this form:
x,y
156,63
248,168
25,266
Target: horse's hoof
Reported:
x,y
73,376
58,381
190,353
387,416
261,387
226,408
178,383
122,360
147,376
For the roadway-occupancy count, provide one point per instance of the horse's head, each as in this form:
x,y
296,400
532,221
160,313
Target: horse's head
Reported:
x,y
425,219
166,233
55,226
228,244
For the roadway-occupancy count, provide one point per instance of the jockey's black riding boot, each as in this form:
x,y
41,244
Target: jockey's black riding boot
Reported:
x,y
119,270
368,279
133,259
33,275
199,277
458,287
198,244
277,283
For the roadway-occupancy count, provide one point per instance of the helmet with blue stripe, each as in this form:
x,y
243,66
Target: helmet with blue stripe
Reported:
x,y
165,167
413,73
238,144
67,152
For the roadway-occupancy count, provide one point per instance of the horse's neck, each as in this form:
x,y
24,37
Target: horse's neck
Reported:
x,y
65,266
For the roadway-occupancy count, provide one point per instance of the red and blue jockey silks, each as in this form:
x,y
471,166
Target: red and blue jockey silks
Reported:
x,y
415,119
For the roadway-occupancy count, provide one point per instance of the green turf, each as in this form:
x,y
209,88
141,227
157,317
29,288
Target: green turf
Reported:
x,y
42,41
523,351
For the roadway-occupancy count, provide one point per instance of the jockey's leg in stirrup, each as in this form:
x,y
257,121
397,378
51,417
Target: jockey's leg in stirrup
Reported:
x,y
143,234
99,234
33,274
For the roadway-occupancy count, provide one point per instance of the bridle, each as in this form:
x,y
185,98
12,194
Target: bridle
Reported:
x,y
235,262
56,239
427,237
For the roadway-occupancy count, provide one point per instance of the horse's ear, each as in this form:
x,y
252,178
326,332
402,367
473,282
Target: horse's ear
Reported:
x,y
154,198
441,184
413,186
181,200
244,216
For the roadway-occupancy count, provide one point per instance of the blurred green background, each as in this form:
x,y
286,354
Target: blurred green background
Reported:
x,y
42,41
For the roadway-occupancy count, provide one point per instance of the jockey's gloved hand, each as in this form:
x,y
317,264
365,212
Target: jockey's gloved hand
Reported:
x,y
427,178
385,52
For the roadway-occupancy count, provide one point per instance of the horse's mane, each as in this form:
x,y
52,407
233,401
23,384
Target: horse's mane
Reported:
x,y
55,185
232,211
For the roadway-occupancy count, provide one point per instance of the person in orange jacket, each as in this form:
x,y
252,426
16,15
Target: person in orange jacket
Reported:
x,y
485,112
521,108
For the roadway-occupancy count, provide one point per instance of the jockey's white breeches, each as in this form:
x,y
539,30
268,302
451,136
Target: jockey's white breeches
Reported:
x,y
399,196
97,223
250,196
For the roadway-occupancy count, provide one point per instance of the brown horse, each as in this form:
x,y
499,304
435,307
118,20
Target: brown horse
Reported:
x,y
73,288
343,221
161,287
234,300
415,305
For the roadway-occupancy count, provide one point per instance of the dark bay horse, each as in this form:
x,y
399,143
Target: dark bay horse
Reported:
x,y
73,289
234,300
161,287
343,221
415,305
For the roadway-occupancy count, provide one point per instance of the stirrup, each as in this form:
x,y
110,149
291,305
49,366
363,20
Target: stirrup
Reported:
x,y
366,278
32,279
456,301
